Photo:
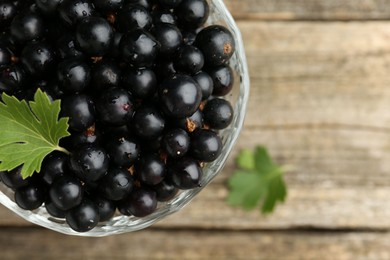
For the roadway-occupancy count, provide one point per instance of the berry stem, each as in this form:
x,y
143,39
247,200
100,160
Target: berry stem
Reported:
x,y
61,149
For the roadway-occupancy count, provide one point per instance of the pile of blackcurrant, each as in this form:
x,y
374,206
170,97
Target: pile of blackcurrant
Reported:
x,y
142,83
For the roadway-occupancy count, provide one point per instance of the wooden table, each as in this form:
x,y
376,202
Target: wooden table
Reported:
x,y
320,101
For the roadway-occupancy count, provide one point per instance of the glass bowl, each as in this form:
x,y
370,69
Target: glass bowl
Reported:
x,y
122,224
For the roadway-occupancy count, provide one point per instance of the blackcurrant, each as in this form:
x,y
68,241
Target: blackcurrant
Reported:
x,y
66,192
30,197
83,217
148,122
165,190
218,113
13,179
189,59
67,47
151,169
116,184
12,78
142,83
89,162
94,36
223,80
48,7
140,203
169,37
54,166
192,13
108,6
37,58
106,207
72,11
73,75
115,107
123,150
206,84
185,173
176,142
217,44
81,111
27,26
132,17
180,96
206,145
105,75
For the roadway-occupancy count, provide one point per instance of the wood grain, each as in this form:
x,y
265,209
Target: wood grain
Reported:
x,y
310,9
320,100
180,244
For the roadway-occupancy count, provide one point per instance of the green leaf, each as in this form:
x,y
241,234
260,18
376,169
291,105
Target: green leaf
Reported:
x,y
246,160
29,132
258,180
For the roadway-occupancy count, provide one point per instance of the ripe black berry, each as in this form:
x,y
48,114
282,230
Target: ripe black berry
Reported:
x,y
54,166
206,84
123,150
67,47
53,210
142,83
105,75
37,58
148,122
132,17
189,59
139,48
27,26
80,110
108,6
48,7
176,142
163,16
223,80
13,179
169,37
106,207
73,75
165,190
72,11
192,13
206,145
185,173
180,96
115,107
150,169
218,113
30,197
140,203
83,217
12,78
7,12
66,192
5,55
116,184
94,35
217,44
89,162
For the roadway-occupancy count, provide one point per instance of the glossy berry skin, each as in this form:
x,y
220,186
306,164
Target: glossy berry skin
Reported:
x,y
151,169
83,217
217,44
148,4
106,207
190,123
115,107
223,80
13,179
66,192
27,26
53,210
132,17
89,162
148,122
169,37
94,36
142,83
67,47
192,13
164,69
73,75
185,173
140,203
89,136
139,48
189,37
170,3
48,7
180,96
72,11
206,84
176,142
55,165
7,12
189,59
218,113
123,151
165,191
30,197
80,110
105,75
108,6
116,184
37,58
12,78
164,16
206,145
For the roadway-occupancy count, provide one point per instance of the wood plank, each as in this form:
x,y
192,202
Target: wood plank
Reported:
x,y
310,10
323,108
181,244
